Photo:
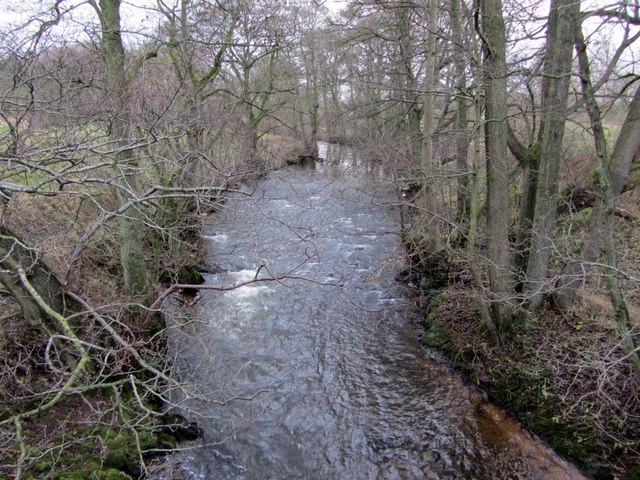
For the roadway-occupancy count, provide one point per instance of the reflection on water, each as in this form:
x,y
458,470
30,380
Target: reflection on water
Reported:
x,y
318,373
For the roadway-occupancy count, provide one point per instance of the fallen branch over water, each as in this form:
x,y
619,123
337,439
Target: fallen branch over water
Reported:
x,y
155,307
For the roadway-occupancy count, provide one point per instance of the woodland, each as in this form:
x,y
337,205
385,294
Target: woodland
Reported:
x,y
510,129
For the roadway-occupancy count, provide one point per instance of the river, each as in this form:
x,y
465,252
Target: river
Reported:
x,y
317,372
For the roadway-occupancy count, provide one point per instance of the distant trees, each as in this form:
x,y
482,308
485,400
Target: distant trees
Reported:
x,y
197,37
311,56
255,63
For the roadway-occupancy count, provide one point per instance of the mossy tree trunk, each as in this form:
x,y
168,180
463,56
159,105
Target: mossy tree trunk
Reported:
x,y
428,162
497,165
555,94
125,165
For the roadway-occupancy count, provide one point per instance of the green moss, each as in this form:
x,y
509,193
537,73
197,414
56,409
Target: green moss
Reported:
x,y
574,222
633,474
43,465
120,458
112,474
165,441
190,275
437,337
108,452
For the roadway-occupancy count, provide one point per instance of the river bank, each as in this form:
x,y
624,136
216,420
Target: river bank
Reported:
x,y
402,402
561,376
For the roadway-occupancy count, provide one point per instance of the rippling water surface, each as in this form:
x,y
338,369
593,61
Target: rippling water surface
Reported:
x,y
319,374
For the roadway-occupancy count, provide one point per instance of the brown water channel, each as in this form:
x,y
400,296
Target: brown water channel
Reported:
x,y
321,373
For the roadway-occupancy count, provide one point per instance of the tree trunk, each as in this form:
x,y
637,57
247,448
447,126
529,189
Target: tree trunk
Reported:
x,y
555,94
529,159
474,263
125,165
314,123
408,109
428,163
462,133
312,100
495,128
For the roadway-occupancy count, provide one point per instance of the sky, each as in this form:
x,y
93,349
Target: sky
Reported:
x,y
137,15
13,10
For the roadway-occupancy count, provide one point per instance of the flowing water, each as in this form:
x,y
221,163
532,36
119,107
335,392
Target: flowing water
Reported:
x,y
313,369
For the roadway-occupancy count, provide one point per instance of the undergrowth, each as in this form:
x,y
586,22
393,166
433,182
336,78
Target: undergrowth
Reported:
x,y
562,376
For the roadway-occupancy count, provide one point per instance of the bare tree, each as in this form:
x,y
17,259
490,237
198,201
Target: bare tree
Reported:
x,y
555,95
493,38
121,137
255,60
428,162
